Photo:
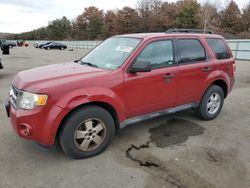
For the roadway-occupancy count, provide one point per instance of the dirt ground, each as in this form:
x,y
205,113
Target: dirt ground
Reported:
x,y
172,151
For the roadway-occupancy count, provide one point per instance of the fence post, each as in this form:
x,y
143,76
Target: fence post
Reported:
x,y
236,50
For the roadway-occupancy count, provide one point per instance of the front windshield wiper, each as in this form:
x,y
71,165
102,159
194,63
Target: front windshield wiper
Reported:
x,y
88,63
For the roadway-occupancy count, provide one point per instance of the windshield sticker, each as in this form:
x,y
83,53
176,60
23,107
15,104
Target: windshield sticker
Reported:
x,y
110,66
124,49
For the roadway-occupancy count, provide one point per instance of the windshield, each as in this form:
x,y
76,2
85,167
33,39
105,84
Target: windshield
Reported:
x,y
112,53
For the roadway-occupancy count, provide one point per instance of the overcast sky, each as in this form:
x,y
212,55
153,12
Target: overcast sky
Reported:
x,y
25,15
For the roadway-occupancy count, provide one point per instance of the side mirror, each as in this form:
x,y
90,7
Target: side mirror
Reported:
x,y
140,66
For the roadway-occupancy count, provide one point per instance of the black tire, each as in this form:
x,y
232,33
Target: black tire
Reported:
x,y
47,48
202,111
62,48
67,134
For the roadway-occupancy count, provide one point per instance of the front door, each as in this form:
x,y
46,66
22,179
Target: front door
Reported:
x,y
148,92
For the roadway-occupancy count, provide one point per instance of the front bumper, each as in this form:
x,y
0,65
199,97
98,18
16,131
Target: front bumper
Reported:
x,y
40,124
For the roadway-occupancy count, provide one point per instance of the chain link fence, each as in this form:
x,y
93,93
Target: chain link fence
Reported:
x,y
240,48
72,44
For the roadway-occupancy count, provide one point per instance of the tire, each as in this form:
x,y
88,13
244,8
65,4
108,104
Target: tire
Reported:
x,y
211,103
47,48
87,132
62,48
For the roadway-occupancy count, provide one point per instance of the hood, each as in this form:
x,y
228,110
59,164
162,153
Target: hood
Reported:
x,y
66,75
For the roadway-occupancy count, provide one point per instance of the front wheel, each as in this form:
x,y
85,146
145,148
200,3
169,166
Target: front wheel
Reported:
x,y
211,103
87,132
47,48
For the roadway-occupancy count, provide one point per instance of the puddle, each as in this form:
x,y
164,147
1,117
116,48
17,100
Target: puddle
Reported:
x,y
174,131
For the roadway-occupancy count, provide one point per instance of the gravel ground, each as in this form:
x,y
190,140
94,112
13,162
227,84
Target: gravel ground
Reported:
x,y
172,151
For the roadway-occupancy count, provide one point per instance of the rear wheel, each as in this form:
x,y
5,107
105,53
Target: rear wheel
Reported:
x,y
47,48
62,48
211,103
87,132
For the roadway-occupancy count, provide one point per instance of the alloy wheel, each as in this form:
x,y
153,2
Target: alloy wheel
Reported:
x,y
214,102
90,134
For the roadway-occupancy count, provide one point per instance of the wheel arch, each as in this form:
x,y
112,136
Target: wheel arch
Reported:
x,y
218,78
221,83
101,104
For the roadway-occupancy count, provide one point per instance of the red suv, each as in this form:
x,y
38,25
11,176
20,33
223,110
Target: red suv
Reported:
x,y
125,80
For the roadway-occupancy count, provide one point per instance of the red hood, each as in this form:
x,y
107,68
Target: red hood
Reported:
x,y
58,75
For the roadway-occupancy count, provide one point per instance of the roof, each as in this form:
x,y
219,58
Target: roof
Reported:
x,y
156,35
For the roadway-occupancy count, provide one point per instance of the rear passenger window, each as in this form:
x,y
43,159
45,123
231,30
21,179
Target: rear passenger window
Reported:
x,y
190,50
219,48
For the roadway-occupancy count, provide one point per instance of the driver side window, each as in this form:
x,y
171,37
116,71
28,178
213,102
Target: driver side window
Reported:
x,y
159,53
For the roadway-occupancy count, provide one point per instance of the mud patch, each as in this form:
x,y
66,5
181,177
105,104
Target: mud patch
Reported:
x,y
173,174
212,156
141,163
169,173
174,131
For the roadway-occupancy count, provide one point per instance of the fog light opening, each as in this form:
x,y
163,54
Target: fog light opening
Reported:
x,y
25,130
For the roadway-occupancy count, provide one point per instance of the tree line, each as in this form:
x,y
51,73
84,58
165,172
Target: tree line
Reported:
x,y
148,16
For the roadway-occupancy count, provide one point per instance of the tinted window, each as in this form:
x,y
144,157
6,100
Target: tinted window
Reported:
x,y
219,48
160,54
190,50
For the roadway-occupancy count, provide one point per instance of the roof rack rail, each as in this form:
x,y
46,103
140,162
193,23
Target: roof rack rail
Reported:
x,y
189,31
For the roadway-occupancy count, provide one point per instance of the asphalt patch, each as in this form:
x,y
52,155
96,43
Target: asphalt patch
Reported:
x,y
174,131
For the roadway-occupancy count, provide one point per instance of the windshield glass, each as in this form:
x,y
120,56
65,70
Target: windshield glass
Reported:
x,y
112,53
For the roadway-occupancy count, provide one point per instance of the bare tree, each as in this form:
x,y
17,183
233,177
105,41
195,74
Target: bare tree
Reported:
x,y
143,7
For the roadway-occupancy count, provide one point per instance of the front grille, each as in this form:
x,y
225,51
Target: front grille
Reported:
x,y
14,96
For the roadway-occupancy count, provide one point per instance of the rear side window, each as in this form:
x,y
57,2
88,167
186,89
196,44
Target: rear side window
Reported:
x,y
219,48
190,50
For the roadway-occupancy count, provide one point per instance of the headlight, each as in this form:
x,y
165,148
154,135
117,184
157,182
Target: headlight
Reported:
x,y
29,100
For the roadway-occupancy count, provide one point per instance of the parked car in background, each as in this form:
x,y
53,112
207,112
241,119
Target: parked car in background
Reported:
x,y
125,80
20,42
42,44
54,45
7,43
36,44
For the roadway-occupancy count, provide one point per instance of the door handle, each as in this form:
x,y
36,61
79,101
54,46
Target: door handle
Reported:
x,y
206,69
169,76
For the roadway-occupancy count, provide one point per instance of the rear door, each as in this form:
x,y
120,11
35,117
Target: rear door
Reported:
x,y
194,67
55,45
